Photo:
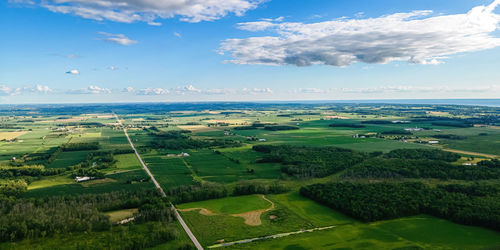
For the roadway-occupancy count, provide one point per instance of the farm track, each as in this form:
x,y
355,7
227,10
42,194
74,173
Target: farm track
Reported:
x,y
177,215
252,218
470,153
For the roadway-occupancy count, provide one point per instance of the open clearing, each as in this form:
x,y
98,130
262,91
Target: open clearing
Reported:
x,y
197,128
252,218
119,215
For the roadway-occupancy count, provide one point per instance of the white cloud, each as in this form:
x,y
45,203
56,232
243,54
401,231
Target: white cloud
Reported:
x,y
8,91
177,34
120,39
37,89
153,91
92,89
128,11
21,2
73,72
112,68
415,37
310,91
257,91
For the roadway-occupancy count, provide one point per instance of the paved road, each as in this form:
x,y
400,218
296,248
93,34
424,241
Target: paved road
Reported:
x,y
179,218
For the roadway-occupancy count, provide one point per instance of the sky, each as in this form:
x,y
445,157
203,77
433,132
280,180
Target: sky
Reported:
x,y
87,51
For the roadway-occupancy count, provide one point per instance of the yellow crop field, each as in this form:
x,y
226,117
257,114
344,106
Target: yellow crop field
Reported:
x,y
11,135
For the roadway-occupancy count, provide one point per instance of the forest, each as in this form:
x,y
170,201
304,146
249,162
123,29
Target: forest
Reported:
x,y
470,204
41,217
305,162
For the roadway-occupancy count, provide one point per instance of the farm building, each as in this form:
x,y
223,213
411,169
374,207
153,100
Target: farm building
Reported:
x,y
83,178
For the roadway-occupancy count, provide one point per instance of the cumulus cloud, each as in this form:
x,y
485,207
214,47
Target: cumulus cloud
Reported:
x,y
73,72
257,91
310,91
120,39
416,37
8,91
153,91
129,11
92,89
186,89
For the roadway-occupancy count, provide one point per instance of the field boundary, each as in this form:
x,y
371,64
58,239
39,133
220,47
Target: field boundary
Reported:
x,y
470,153
177,215
271,236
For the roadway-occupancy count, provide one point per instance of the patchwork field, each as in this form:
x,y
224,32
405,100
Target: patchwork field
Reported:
x,y
238,174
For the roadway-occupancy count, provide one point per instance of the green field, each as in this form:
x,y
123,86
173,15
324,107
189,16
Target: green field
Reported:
x,y
418,232
222,157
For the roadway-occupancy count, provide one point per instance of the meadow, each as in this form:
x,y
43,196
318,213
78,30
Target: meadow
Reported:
x,y
219,141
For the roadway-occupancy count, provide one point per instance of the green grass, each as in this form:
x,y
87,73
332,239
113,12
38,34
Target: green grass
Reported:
x,y
210,229
407,233
68,159
318,215
57,187
119,215
125,162
230,205
49,181
169,172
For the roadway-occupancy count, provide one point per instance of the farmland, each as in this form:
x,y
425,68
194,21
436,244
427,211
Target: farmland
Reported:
x,y
244,171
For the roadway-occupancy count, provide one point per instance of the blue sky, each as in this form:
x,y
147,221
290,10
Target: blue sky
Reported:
x,y
81,51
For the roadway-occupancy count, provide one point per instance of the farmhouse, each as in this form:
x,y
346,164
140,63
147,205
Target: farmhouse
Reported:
x,y
83,178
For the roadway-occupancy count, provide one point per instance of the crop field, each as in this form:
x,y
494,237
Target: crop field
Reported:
x,y
11,135
418,232
240,174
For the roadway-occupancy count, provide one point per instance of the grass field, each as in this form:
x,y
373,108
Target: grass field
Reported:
x,y
417,232
50,181
294,212
119,215
68,159
230,205
291,212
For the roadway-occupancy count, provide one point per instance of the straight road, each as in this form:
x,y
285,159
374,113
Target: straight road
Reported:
x,y
177,215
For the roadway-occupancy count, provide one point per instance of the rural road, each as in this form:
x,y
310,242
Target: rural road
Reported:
x,y
177,215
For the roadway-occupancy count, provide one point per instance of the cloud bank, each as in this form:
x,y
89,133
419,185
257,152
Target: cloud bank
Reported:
x,y
129,11
416,37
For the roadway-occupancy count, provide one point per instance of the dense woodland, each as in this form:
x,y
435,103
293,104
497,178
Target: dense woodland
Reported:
x,y
176,140
30,218
471,204
409,168
309,161
306,162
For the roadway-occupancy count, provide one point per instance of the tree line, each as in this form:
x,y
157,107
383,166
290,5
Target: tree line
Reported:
x,y
208,191
471,204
